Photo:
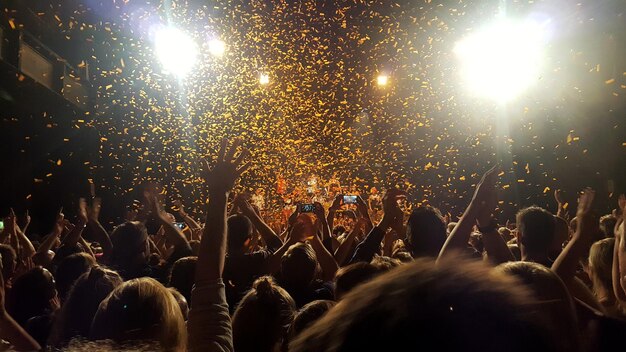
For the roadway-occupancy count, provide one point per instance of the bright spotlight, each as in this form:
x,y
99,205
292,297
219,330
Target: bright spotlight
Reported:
x,y
502,60
176,50
382,80
217,47
264,79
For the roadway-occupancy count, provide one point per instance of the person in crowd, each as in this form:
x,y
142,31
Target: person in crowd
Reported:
x,y
69,270
138,312
305,317
262,317
182,276
81,304
243,266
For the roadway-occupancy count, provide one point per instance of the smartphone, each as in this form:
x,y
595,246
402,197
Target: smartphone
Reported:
x,y
1,225
307,208
349,199
180,225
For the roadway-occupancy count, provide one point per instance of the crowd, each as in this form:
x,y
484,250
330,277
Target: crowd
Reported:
x,y
404,280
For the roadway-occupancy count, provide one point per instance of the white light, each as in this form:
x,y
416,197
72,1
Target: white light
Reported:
x,y
264,79
382,80
502,60
217,47
176,50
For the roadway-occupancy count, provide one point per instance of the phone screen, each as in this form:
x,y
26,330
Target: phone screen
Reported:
x,y
349,199
307,208
180,225
1,225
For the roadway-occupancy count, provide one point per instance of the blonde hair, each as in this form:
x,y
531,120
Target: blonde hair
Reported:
x,y
141,310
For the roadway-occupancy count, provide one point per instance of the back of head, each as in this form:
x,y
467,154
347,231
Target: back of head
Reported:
x,y
239,232
9,261
423,306
426,232
607,225
130,244
552,300
601,264
535,227
308,315
31,295
351,276
141,310
69,269
182,276
298,265
82,302
262,317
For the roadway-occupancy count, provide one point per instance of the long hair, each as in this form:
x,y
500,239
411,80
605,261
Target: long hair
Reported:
x,y
82,303
141,310
263,316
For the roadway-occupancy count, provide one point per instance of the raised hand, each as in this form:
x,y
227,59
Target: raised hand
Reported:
x,y
391,209
587,224
82,210
486,197
336,203
227,169
558,196
178,204
94,210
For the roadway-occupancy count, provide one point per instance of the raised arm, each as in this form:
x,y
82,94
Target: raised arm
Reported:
x,y
457,241
270,238
172,233
619,254
560,211
74,235
26,247
566,263
327,262
54,236
344,250
330,219
97,230
193,224
366,250
209,323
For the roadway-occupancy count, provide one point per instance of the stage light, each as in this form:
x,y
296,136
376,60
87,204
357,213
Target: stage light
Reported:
x,y
382,80
176,50
502,60
217,47
264,79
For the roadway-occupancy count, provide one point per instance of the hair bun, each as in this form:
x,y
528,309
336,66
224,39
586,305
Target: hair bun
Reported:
x,y
264,286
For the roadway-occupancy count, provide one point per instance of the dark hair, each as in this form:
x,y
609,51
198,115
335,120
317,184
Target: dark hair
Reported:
x,y
430,307
82,302
129,242
308,315
298,265
425,232
607,225
262,317
182,277
9,261
535,226
69,269
351,276
239,231
31,295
